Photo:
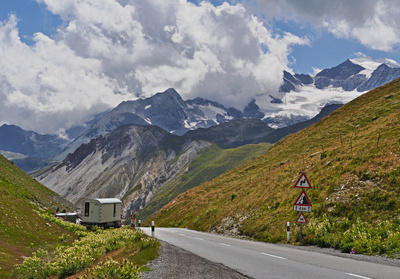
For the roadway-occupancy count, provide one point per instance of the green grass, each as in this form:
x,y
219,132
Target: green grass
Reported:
x,y
207,166
33,244
352,159
112,253
22,231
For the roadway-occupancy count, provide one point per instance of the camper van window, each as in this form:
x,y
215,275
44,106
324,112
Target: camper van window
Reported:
x,y
115,209
87,209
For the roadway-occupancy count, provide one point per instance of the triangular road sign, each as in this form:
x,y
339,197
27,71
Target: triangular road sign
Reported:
x,y
303,182
302,203
303,199
301,219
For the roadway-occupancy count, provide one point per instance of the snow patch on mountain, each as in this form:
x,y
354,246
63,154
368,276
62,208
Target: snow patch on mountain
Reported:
x,y
304,104
371,65
210,112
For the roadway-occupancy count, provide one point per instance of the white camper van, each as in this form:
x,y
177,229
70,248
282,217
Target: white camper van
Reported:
x,y
101,212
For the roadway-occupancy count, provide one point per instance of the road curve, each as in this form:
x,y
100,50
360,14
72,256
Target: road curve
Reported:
x,y
264,260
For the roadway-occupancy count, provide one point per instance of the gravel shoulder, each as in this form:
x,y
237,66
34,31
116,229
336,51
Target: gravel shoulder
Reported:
x,y
177,263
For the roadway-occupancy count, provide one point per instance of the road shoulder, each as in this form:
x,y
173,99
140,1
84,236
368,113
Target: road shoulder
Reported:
x,y
178,263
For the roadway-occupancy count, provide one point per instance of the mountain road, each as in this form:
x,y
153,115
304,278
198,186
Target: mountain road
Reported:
x,y
264,260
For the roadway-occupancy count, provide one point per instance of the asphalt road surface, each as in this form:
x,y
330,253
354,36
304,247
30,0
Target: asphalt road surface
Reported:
x,y
264,260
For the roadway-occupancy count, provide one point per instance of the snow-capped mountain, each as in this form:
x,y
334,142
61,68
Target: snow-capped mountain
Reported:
x,y
301,96
166,110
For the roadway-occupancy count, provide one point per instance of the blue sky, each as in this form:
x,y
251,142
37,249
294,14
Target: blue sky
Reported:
x,y
327,51
70,59
33,17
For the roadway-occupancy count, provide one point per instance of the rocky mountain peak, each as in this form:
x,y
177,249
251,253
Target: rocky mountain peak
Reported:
x,y
342,71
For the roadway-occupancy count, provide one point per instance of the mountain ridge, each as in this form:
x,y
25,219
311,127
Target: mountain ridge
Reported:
x,y
131,162
299,100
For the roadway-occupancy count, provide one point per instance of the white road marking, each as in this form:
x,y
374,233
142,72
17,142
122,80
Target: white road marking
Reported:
x,y
198,238
358,276
269,255
225,244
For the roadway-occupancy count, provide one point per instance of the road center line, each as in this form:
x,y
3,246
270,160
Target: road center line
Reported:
x,y
225,244
269,255
198,238
358,276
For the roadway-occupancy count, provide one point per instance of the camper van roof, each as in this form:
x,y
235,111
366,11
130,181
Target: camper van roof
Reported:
x,y
111,200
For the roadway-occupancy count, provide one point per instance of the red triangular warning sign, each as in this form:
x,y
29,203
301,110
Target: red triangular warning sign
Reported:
x,y
303,200
303,182
301,219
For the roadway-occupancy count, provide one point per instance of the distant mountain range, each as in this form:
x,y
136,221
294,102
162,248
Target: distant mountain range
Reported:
x,y
166,110
301,98
252,130
29,143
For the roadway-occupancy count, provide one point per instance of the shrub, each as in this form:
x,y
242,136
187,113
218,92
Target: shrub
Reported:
x,y
113,269
67,260
382,237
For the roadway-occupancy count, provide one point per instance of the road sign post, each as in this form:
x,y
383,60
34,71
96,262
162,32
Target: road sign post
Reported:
x,y
302,204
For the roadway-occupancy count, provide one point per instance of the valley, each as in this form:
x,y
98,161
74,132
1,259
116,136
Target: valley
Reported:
x,y
261,139
228,174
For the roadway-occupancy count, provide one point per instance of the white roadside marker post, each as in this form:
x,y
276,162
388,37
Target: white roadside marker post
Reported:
x,y
288,232
152,229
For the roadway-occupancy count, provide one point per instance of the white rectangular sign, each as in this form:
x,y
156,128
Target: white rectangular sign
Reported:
x,y
302,208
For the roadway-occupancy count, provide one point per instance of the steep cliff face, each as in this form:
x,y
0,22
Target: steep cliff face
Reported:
x,y
131,163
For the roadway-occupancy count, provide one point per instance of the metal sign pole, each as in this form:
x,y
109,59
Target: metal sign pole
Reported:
x,y
301,232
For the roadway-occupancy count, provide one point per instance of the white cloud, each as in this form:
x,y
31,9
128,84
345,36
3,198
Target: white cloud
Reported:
x,y
377,34
108,51
42,83
375,24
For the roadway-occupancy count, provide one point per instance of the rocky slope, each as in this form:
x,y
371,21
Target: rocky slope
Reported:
x,y
131,163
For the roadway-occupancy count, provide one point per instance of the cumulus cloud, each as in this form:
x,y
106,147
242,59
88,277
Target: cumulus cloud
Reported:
x,y
41,84
373,23
108,51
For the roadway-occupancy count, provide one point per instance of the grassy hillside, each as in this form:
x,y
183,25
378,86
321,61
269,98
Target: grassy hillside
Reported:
x,y
22,231
207,166
352,161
